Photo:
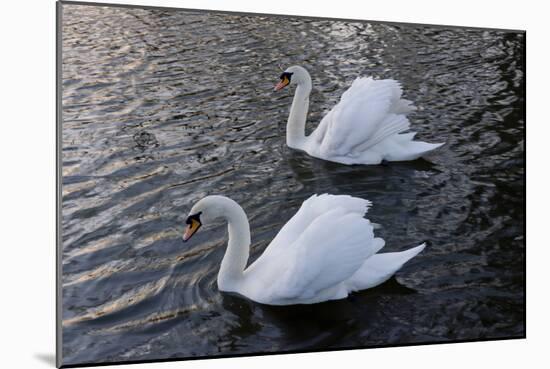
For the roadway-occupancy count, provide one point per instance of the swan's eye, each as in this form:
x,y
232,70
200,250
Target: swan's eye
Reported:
x,y
196,217
285,77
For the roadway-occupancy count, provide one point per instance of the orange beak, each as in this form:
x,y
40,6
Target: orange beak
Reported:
x,y
191,229
282,83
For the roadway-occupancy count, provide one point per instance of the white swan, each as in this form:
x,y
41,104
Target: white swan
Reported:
x,y
324,252
365,127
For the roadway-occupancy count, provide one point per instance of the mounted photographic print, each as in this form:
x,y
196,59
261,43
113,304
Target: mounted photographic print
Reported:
x,y
239,184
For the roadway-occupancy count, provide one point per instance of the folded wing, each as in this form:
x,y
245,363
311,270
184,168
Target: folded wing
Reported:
x,y
314,207
329,251
368,112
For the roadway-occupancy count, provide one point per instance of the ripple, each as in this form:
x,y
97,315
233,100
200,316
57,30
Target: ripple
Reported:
x,y
125,301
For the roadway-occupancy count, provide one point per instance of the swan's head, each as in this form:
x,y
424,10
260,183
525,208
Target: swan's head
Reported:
x,y
294,75
204,211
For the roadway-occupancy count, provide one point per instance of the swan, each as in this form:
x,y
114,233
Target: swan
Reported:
x,y
365,127
324,252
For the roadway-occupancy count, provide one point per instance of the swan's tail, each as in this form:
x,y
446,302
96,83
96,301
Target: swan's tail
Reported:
x,y
380,267
420,148
404,148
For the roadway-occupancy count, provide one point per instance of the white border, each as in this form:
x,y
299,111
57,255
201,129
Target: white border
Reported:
x,y
28,181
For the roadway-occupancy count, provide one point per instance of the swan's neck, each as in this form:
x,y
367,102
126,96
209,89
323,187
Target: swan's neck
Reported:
x,y
296,125
238,247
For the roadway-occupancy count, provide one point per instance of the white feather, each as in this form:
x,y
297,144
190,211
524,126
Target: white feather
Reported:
x,y
324,252
364,127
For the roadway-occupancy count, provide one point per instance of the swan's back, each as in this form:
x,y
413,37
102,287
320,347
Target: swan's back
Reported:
x,y
369,115
324,244
314,207
325,251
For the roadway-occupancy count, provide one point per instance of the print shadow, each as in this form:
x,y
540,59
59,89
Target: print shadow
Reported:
x,y
48,358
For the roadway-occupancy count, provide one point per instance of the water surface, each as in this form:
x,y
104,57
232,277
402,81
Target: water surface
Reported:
x,y
161,108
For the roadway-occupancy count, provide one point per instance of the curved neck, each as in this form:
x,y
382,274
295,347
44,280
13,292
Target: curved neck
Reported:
x,y
296,125
238,247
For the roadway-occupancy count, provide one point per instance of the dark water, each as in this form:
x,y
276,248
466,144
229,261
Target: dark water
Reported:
x,y
162,108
